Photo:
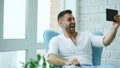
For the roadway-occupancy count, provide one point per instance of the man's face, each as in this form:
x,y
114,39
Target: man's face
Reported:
x,y
68,23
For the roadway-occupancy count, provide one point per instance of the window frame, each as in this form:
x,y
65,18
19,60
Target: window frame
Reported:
x,y
30,42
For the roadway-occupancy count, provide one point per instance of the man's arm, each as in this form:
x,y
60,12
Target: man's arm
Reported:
x,y
111,35
56,60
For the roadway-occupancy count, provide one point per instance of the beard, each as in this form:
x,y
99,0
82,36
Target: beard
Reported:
x,y
70,28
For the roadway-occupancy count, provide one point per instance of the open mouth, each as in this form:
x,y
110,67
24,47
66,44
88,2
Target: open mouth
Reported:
x,y
72,26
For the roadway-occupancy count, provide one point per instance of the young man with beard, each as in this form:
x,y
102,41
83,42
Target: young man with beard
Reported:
x,y
72,49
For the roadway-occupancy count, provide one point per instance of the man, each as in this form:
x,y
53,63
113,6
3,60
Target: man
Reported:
x,y
72,49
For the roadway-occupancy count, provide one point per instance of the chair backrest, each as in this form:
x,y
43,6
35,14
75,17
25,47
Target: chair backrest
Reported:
x,y
96,51
47,35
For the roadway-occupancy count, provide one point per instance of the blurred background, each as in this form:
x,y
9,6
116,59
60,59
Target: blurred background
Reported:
x,y
22,23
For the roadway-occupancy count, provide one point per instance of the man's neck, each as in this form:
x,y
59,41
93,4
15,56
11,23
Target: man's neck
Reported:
x,y
71,35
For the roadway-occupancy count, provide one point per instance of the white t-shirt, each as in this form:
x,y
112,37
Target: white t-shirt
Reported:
x,y
82,51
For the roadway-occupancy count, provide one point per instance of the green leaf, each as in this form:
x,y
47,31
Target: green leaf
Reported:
x,y
32,63
44,65
44,60
38,57
26,65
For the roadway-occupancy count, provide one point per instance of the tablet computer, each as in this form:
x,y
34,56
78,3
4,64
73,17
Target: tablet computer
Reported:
x,y
110,13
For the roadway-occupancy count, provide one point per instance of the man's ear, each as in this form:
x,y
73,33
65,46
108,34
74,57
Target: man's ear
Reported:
x,y
60,23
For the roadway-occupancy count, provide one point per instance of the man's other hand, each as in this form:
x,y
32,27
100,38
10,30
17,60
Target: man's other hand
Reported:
x,y
74,61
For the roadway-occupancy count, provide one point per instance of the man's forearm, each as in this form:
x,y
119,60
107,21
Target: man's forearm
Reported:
x,y
56,60
110,37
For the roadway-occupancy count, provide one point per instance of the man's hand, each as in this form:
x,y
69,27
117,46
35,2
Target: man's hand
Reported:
x,y
117,23
73,62
111,35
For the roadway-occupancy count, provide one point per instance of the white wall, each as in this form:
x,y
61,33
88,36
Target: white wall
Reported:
x,y
92,17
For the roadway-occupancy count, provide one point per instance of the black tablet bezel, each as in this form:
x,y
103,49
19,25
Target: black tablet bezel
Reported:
x,y
110,13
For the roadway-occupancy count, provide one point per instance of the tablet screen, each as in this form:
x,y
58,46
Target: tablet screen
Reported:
x,y
110,13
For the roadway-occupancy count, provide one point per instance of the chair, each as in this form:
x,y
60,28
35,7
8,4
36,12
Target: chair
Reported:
x,y
96,51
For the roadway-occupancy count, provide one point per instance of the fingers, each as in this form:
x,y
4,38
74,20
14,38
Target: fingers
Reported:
x,y
75,62
117,18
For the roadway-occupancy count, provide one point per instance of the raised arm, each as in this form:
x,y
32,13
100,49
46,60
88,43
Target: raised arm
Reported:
x,y
111,35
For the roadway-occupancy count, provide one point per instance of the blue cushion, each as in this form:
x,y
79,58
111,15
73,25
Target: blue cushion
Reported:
x,y
47,35
96,51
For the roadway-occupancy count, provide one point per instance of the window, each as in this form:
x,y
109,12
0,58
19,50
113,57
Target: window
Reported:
x,y
12,59
43,18
14,22
13,28
14,19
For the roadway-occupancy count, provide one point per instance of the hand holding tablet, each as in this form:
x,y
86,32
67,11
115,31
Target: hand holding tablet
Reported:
x,y
110,13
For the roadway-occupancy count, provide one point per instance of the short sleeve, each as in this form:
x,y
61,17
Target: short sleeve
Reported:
x,y
53,47
96,40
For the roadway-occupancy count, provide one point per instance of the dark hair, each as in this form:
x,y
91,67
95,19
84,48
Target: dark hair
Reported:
x,y
62,13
